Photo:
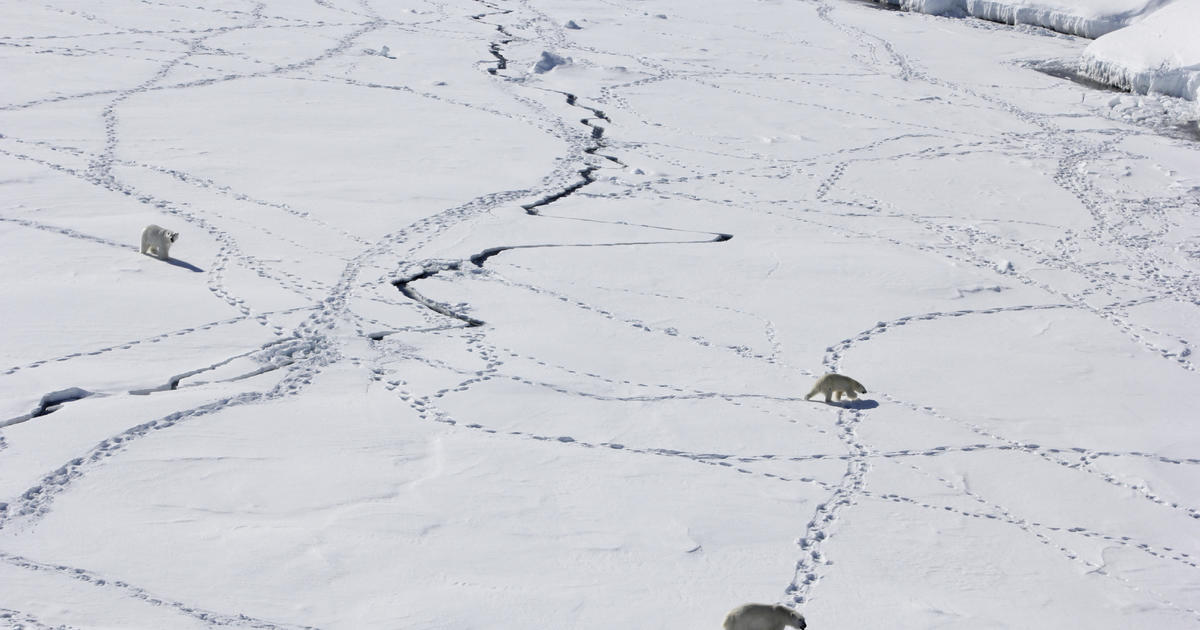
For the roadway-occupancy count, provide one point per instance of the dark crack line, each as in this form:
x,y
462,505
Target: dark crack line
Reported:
x,y
494,47
429,271
483,256
588,172
588,178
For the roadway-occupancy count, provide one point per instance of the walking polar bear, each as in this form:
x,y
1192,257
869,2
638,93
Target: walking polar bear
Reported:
x,y
156,241
763,617
837,386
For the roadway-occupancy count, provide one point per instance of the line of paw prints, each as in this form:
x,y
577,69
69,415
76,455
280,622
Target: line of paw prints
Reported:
x,y
205,183
1068,178
334,305
769,330
1109,314
1100,279
100,167
834,353
124,589
969,256
227,250
22,620
293,283
551,129
1037,530
66,231
493,359
427,410
1110,214
154,339
700,340
1075,458
1164,553
819,528
224,74
35,502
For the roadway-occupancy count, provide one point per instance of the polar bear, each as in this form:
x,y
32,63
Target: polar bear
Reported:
x,y
763,617
157,241
837,385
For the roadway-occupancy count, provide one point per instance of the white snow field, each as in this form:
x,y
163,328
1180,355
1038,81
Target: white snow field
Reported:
x,y
501,315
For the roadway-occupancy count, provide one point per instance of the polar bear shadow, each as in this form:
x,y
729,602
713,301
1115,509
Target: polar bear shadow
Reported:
x,y
859,405
183,264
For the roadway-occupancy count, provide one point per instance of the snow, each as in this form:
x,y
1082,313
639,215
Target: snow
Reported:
x,y
1160,54
1085,18
549,61
448,343
1142,45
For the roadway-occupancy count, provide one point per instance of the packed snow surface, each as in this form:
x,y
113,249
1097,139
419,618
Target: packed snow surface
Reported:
x,y
1160,54
447,344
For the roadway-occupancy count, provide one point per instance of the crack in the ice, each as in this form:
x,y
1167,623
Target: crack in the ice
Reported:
x,y
588,178
587,174
494,47
479,259
427,270
272,357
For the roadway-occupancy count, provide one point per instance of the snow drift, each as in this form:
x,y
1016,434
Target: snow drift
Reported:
x,y
1160,54
1085,18
549,61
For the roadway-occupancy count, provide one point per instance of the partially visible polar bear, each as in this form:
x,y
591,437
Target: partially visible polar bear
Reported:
x,y
763,617
837,385
156,241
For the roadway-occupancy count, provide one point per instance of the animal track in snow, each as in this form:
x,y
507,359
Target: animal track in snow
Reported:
x,y
124,589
